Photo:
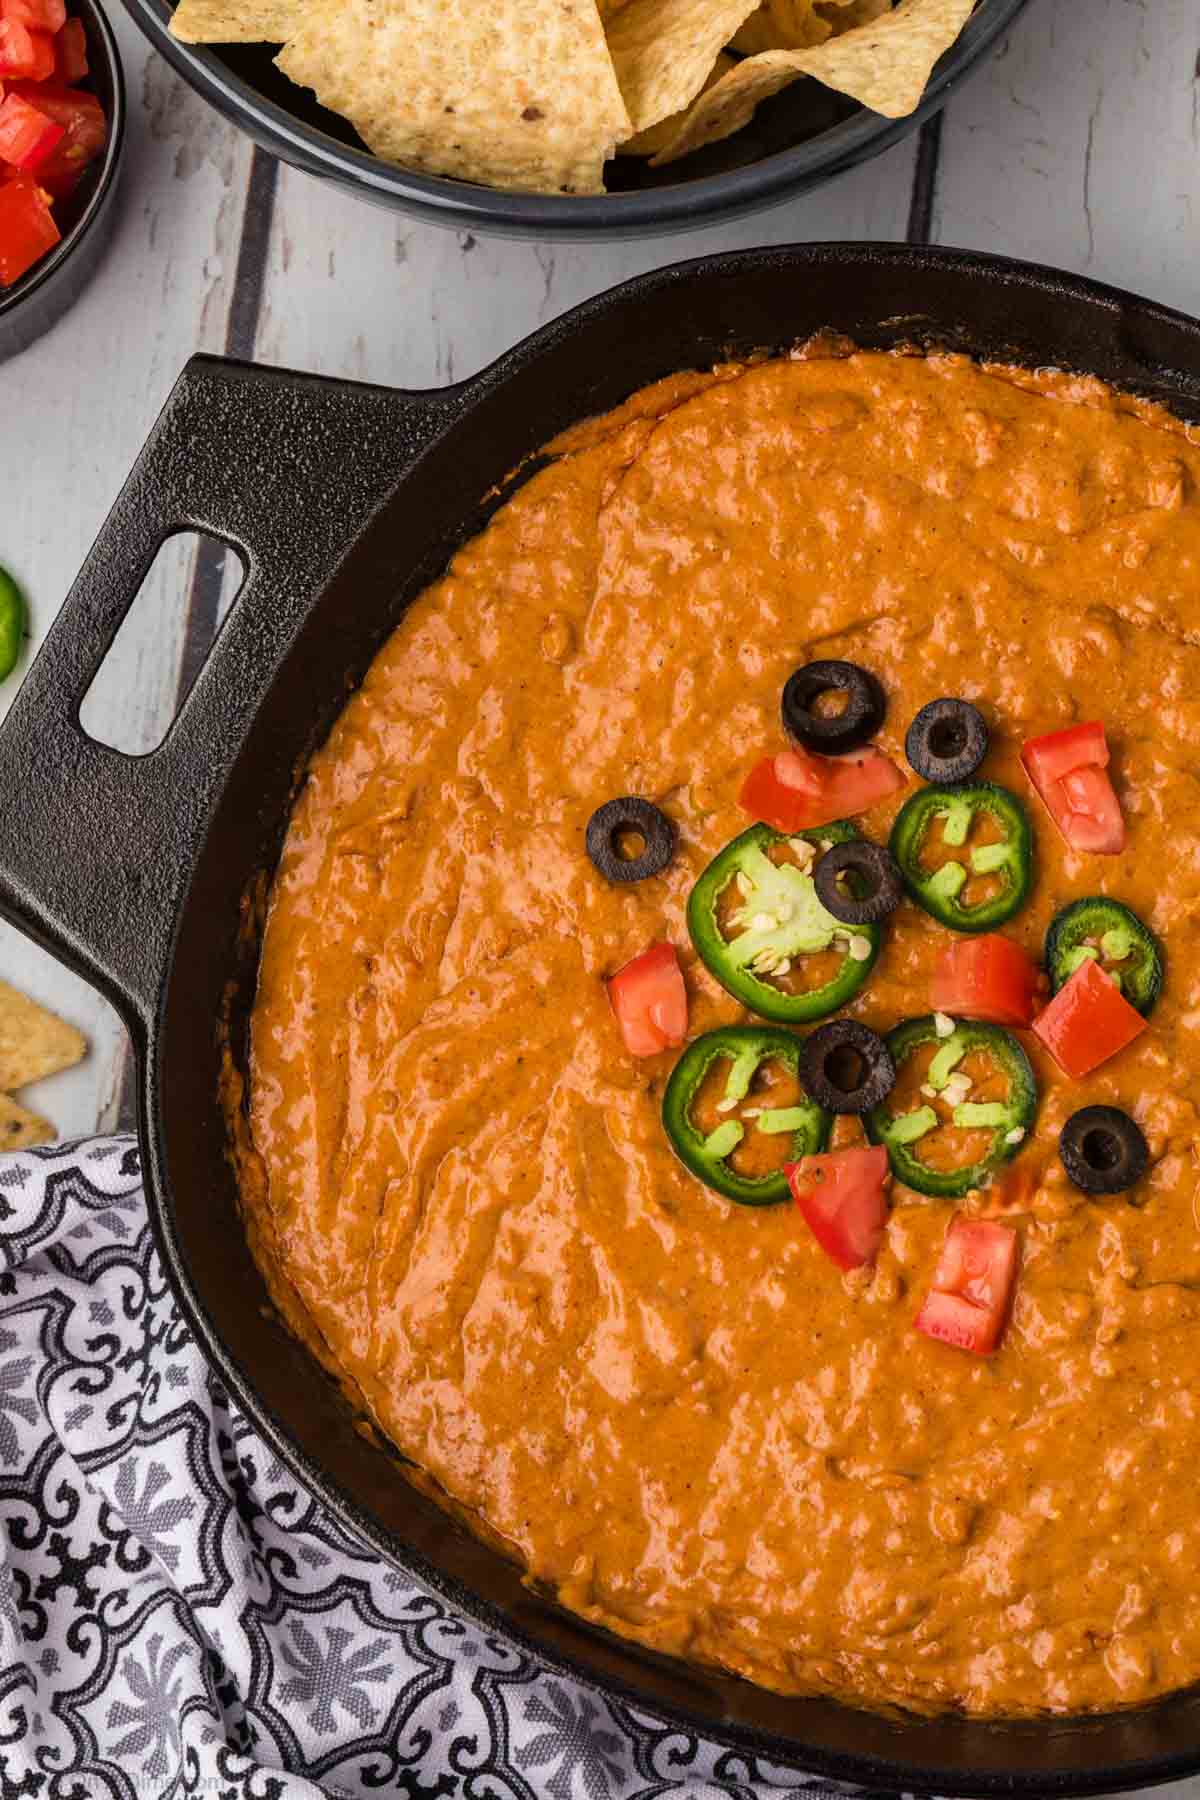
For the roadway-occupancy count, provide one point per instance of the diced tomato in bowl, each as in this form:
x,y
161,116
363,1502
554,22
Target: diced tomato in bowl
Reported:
x,y
988,978
51,130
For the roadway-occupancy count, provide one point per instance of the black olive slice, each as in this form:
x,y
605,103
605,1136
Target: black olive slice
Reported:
x,y
617,823
875,886
847,1068
1103,1150
947,741
850,729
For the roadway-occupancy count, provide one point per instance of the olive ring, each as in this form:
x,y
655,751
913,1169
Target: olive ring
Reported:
x,y
630,817
947,741
874,874
850,729
847,1068
1103,1150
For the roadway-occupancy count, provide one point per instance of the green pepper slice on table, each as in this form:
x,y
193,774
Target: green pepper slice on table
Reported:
x,y
1009,858
1008,1119
12,624
777,920
1104,931
740,1109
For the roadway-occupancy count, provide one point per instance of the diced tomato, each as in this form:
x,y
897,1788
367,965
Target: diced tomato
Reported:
x,y
795,790
27,136
86,133
25,55
650,1001
27,228
972,1284
986,977
36,15
843,1201
71,53
1069,770
1088,1020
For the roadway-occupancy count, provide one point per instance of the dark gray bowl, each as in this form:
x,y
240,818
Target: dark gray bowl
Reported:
x,y
36,302
799,139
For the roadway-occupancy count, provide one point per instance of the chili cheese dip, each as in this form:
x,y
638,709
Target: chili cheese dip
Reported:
x,y
928,1437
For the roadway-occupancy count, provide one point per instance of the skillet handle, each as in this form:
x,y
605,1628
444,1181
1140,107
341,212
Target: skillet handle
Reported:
x,y
96,847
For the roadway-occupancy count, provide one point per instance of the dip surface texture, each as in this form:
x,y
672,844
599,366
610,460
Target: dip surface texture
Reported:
x,y
673,1409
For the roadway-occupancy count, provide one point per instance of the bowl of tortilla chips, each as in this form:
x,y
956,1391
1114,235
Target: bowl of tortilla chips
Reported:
x,y
575,117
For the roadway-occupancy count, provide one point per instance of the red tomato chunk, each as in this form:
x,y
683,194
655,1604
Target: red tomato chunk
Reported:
x,y
843,1202
1069,770
36,15
972,1285
27,228
1088,1021
795,791
988,978
85,133
650,1001
71,53
27,136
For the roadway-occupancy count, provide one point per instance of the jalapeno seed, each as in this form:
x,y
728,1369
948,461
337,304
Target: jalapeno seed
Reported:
x,y
847,1068
947,741
1103,1150
833,733
630,824
12,624
858,882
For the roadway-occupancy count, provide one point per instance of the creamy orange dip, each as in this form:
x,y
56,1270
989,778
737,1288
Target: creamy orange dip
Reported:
x,y
674,1410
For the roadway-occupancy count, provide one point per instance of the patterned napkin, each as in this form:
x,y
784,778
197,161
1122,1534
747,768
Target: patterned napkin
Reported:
x,y
179,1617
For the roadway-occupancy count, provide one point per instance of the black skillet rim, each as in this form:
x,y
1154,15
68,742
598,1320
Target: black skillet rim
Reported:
x,y
467,206
865,1768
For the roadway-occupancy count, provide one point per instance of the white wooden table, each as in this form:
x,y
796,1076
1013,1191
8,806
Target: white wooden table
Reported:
x,y
1077,144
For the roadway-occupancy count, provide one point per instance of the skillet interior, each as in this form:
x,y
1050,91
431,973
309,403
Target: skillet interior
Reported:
x,y
689,316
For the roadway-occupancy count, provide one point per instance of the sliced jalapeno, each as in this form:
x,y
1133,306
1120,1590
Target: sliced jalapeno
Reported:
x,y
942,890
755,944
711,1117
1010,1120
12,624
1104,931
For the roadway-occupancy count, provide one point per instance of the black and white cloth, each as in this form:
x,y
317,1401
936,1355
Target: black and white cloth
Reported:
x,y
179,1617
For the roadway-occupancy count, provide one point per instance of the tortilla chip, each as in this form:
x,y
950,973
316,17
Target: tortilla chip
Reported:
x,y
21,1129
783,25
657,137
520,94
33,1043
663,51
237,21
884,64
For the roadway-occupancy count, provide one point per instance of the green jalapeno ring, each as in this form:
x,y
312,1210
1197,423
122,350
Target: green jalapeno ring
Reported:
x,y
12,624
1010,1120
747,1047
806,929
1120,937
937,891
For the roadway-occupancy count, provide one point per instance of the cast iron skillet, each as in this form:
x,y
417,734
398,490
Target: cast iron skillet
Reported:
x,y
343,502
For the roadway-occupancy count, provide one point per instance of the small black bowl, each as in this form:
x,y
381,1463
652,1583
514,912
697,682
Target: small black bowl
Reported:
x,y
36,302
798,139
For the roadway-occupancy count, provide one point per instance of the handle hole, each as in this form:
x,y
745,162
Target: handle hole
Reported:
x,y
162,642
